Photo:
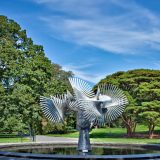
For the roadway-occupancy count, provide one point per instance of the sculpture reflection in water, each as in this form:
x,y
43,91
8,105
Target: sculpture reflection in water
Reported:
x,y
91,108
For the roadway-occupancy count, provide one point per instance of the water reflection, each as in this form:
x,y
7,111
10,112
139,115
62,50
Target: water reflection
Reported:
x,y
71,150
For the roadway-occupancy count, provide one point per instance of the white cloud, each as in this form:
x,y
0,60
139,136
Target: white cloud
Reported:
x,y
133,30
76,7
79,72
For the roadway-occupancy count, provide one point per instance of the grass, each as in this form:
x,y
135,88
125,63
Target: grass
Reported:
x,y
109,135
13,140
114,135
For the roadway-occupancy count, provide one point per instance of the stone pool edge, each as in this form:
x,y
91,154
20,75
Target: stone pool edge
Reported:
x,y
62,157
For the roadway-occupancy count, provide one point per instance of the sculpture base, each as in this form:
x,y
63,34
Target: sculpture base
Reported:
x,y
84,145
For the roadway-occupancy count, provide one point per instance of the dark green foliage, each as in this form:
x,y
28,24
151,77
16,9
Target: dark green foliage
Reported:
x,y
55,128
142,87
25,75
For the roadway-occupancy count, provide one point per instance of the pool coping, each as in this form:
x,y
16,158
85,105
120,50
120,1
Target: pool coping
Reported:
x,y
62,157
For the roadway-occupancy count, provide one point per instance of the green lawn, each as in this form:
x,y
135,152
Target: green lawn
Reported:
x,y
13,140
113,135
110,135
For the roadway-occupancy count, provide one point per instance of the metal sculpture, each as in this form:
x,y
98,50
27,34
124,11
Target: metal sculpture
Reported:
x,y
92,109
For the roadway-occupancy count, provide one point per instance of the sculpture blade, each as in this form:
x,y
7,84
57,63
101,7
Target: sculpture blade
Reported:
x,y
51,110
82,89
118,101
60,104
90,110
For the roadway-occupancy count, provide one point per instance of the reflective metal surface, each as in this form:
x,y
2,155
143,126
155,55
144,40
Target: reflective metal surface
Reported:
x,y
92,108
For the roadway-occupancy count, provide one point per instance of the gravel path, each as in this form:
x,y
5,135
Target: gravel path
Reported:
x,y
40,138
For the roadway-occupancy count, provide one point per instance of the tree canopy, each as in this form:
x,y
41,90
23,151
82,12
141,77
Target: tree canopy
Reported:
x,y
142,87
25,74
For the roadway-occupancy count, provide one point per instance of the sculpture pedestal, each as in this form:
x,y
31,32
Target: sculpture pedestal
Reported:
x,y
84,145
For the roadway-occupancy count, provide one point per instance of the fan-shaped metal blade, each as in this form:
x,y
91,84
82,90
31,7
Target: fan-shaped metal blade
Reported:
x,y
51,109
76,106
117,105
60,103
82,89
90,110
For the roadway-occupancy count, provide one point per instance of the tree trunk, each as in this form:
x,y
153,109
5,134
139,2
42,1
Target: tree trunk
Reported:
x,y
32,133
151,131
134,127
129,131
130,125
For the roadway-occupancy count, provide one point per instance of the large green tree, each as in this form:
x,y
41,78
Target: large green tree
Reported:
x,y
25,75
142,87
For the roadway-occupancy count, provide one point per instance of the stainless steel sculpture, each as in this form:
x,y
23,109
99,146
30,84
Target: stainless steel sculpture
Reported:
x,y
92,109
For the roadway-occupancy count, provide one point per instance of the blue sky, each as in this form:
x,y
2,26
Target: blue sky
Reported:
x,y
92,38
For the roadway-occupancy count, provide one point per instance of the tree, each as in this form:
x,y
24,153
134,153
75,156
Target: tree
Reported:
x,y
25,75
142,86
150,115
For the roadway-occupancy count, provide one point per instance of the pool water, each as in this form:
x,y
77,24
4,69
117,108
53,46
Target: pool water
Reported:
x,y
96,150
